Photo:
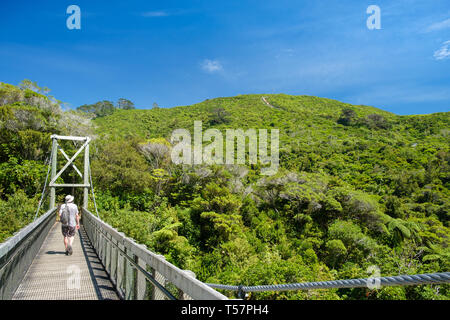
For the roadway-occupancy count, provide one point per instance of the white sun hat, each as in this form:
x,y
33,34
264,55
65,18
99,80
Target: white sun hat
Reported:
x,y
69,198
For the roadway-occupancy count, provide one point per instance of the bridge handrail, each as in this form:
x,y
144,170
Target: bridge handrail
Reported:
x,y
17,253
132,273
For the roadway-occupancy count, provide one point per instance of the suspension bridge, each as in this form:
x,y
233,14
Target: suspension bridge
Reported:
x,y
108,265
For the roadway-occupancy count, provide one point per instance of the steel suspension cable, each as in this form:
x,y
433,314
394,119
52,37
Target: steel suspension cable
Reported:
x,y
43,191
402,280
92,190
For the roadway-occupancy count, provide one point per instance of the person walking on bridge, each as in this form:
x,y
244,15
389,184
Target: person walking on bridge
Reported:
x,y
70,221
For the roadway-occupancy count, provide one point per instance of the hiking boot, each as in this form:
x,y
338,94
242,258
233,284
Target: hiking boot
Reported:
x,y
69,250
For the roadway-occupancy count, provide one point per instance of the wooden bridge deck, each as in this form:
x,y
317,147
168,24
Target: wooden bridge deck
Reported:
x,y
55,276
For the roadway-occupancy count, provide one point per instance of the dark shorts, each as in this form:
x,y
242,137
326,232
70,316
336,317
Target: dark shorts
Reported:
x,y
68,231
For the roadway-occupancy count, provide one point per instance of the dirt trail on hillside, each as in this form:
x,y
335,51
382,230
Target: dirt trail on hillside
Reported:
x,y
268,104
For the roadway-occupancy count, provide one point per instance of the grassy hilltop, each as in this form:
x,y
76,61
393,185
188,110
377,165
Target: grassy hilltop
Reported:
x,y
357,186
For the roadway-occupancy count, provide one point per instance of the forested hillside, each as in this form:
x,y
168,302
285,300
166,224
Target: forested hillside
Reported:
x,y
356,187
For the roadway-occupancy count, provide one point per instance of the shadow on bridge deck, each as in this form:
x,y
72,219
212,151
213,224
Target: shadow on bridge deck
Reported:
x,y
55,276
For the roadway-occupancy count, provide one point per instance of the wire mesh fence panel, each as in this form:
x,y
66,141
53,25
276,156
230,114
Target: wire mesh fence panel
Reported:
x,y
108,255
114,262
130,278
141,281
120,271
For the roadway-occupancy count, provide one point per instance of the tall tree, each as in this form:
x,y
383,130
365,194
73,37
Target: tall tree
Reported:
x,y
125,104
99,109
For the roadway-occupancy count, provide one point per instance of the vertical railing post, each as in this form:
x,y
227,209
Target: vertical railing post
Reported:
x,y
181,294
100,246
54,157
95,239
104,247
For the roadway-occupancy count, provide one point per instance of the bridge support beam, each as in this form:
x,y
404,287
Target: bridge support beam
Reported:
x,y
54,158
86,177
70,162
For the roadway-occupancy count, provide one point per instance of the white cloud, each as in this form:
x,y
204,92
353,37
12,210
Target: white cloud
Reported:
x,y
439,25
211,66
443,52
152,14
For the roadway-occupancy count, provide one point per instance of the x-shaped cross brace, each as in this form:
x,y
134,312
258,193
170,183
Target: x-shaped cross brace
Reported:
x,y
69,162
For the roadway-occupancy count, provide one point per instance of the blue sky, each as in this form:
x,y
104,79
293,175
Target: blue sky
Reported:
x,y
183,52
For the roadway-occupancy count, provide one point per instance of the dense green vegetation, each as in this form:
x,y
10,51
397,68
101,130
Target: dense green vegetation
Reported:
x,y
356,187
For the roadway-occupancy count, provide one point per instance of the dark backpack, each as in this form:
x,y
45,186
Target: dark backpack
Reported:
x,y
65,215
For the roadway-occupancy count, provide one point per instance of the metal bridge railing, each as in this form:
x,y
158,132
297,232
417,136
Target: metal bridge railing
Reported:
x,y
138,273
17,253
